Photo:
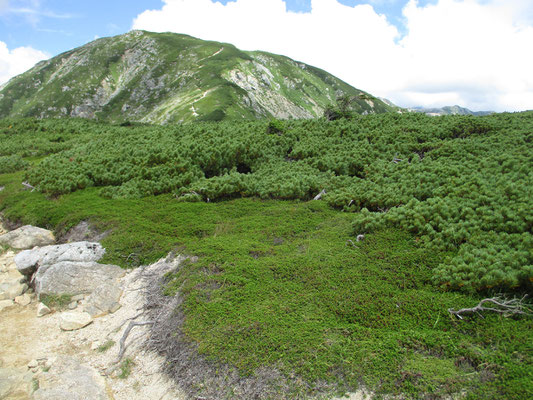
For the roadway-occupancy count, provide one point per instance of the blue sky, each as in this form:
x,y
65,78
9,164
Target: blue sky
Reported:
x,y
55,26
415,52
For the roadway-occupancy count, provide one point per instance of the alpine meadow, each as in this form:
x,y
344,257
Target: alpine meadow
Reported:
x,y
336,242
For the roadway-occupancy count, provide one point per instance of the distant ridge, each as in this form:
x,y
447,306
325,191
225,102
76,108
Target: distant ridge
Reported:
x,y
449,110
167,77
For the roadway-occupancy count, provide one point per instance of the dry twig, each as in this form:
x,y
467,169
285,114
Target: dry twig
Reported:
x,y
501,305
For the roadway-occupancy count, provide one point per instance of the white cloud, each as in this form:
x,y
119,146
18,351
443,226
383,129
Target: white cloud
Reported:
x,y
17,61
4,5
471,52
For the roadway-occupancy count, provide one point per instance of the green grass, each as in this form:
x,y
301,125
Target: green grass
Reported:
x,y
106,346
278,285
57,302
125,368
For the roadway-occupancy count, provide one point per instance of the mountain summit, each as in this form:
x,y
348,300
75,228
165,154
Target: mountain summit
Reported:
x,y
167,77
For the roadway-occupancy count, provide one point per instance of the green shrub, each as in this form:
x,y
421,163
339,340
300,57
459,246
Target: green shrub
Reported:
x,y
12,163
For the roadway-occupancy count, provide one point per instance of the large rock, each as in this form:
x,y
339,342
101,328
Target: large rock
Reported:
x,y
71,321
74,277
28,261
67,379
27,237
105,299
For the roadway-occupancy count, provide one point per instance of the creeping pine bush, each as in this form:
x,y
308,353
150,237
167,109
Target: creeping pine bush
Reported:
x,y
461,184
12,163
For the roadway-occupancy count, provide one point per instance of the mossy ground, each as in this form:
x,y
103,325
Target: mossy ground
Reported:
x,y
278,284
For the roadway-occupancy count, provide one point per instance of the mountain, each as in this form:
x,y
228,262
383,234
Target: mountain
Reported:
x,y
449,110
167,77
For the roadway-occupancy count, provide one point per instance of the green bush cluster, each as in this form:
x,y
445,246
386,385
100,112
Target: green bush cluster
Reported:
x,y
12,163
458,183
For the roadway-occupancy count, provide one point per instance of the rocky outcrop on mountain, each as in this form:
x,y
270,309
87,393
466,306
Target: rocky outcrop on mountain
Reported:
x,y
71,269
69,277
29,260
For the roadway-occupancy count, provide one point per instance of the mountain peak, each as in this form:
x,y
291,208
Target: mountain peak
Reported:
x,y
168,77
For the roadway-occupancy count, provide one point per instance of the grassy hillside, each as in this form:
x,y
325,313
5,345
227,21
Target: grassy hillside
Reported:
x,y
282,292
167,77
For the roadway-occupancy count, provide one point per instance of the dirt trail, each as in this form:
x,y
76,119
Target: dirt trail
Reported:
x,y
27,340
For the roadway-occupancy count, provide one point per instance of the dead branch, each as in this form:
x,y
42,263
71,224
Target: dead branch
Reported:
x,y
501,305
319,196
28,186
132,324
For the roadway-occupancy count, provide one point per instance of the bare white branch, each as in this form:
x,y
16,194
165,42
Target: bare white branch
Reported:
x,y
507,307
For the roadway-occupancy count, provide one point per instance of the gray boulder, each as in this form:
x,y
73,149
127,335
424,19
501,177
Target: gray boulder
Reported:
x,y
103,300
28,261
74,278
27,237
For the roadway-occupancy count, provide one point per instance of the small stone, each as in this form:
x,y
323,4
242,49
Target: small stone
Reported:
x,y
42,310
95,345
33,364
49,362
23,300
5,304
71,321
73,305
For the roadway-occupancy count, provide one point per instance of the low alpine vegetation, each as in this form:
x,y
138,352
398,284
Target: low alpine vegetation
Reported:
x,y
281,283
456,183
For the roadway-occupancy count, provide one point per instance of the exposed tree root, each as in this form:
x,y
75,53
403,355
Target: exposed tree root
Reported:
x,y
122,342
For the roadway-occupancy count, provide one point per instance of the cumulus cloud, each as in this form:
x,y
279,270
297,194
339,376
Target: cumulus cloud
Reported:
x,y
469,52
17,61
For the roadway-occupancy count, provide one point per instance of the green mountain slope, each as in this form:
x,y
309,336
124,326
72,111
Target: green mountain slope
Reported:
x,y
162,78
